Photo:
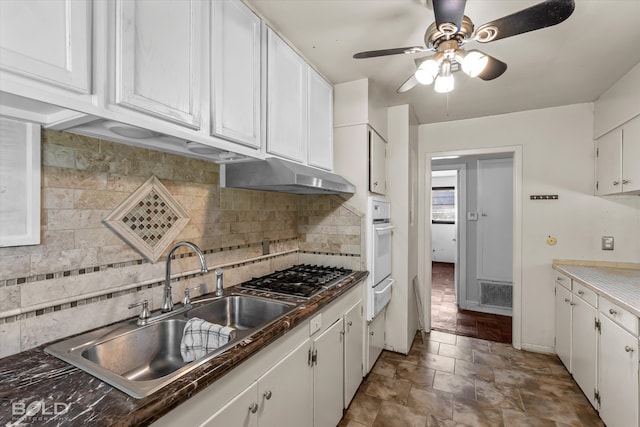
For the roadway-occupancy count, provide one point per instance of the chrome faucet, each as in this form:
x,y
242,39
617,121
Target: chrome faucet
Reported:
x,y
167,303
219,282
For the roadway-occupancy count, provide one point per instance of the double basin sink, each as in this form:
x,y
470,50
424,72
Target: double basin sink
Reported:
x,y
140,360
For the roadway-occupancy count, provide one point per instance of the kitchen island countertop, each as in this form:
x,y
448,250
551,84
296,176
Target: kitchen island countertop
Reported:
x,y
67,395
619,283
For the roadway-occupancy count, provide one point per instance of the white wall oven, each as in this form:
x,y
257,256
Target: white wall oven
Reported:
x,y
381,232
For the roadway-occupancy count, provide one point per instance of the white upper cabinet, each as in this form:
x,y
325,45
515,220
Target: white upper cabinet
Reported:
x,y
157,56
617,160
320,153
377,163
287,100
47,40
236,73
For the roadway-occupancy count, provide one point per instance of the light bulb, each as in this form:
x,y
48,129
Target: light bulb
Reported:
x,y
444,84
474,63
427,71
444,81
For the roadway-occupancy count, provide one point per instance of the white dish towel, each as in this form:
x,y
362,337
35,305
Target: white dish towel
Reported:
x,y
201,337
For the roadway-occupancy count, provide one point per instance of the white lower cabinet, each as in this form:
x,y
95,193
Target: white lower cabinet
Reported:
x,y
563,325
584,347
353,357
375,339
328,376
617,375
242,410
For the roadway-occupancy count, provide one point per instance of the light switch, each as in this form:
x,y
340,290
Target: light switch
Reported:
x,y
607,243
472,216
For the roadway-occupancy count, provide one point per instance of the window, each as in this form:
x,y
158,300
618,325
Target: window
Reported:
x,y
443,205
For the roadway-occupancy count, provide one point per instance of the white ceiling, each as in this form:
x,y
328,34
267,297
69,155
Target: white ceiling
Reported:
x,y
569,63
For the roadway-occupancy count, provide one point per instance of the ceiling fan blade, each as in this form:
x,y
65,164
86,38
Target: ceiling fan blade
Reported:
x,y
408,84
385,52
494,69
450,11
541,15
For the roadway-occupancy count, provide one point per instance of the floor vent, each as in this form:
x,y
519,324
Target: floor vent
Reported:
x,y
498,294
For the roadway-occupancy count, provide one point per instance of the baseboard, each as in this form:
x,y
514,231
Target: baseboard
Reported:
x,y
476,306
535,348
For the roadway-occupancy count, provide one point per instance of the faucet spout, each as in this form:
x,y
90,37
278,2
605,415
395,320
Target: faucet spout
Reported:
x,y
167,302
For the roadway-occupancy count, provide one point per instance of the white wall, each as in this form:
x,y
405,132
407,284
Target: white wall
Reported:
x,y
402,320
557,158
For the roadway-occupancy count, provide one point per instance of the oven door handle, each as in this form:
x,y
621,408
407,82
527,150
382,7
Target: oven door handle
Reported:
x,y
380,291
387,228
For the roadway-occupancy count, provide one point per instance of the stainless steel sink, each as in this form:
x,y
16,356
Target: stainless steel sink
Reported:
x,y
142,359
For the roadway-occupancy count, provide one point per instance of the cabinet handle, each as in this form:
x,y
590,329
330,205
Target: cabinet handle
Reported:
x,y
612,312
253,408
572,303
628,349
560,278
625,181
267,394
580,293
375,183
566,300
616,182
371,333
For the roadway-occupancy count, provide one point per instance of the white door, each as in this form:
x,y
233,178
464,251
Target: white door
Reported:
x,y
236,67
158,58
47,40
584,347
563,325
241,411
609,163
287,100
328,376
320,122
285,391
617,375
495,219
353,330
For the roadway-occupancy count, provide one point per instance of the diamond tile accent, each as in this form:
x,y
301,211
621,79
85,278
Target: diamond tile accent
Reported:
x,y
149,219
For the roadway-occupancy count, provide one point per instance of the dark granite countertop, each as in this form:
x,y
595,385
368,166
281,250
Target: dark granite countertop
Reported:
x,y
50,386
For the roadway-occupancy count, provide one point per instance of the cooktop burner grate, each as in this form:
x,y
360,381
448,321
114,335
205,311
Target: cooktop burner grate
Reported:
x,y
302,280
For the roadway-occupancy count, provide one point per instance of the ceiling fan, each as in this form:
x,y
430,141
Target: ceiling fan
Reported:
x,y
452,29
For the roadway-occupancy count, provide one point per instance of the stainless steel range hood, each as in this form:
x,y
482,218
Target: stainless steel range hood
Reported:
x,y
282,176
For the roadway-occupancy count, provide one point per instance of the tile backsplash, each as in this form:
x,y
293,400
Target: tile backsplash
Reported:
x,y
83,275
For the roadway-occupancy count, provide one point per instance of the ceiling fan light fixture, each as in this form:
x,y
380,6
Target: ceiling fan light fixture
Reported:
x,y
474,63
444,81
427,71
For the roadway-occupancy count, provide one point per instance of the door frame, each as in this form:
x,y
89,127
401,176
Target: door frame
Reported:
x,y
460,264
424,243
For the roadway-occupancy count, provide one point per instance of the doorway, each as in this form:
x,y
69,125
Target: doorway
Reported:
x,y
471,292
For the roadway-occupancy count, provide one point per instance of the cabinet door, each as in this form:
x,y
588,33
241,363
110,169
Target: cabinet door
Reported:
x,y
617,375
563,326
328,377
158,58
285,391
584,347
376,339
240,411
631,155
377,164
353,329
609,163
236,66
47,40
320,122
287,100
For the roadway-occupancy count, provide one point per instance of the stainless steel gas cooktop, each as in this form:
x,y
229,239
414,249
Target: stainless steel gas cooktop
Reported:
x,y
302,280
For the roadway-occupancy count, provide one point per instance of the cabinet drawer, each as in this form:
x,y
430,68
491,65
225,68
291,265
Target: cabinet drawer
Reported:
x,y
619,315
563,280
586,294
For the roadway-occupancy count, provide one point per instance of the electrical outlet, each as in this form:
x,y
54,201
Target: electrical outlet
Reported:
x,y
607,243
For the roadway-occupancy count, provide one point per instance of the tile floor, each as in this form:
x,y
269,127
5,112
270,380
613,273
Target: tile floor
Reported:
x,y
453,380
447,317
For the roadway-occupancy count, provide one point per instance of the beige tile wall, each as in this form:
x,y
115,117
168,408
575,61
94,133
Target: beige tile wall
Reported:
x,y
84,276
